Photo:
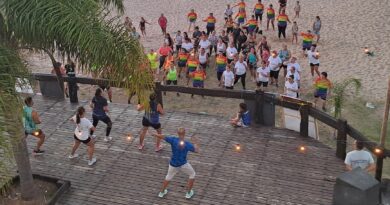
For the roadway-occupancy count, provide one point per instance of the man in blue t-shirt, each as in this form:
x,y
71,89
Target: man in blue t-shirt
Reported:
x,y
180,149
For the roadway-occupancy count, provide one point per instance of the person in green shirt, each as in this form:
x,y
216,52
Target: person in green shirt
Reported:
x,y
30,123
171,77
153,59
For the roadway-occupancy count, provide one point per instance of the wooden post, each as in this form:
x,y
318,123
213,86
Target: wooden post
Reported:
x,y
379,160
341,149
158,92
259,98
304,128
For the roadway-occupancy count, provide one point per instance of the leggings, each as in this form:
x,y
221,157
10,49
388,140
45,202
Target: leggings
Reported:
x,y
162,61
282,31
259,16
243,76
210,29
211,49
105,119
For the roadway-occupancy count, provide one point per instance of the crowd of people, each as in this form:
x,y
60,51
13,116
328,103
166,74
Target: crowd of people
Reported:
x,y
240,52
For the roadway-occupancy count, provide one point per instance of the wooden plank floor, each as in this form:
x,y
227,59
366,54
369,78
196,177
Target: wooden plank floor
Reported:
x,y
268,170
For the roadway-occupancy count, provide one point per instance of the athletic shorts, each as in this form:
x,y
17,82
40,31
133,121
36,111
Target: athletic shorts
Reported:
x,y
312,64
270,17
203,65
83,141
174,82
146,123
321,95
306,46
198,84
252,65
274,74
181,64
264,84
186,168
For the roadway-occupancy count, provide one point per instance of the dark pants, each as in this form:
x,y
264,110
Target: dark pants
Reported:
x,y
178,48
282,31
213,48
104,119
219,75
259,16
210,29
162,60
243,76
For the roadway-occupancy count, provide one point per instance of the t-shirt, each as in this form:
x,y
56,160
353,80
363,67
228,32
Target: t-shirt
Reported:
x,y
82,129
252,24
204,44
297,77
152,59
263,71
183,57
259,8
231,52
228,12
240,68
221,62
192,65
198,75
359,158
172,75
164,51
282,20
179,152
322,85
162,21
270,13
296,66
211,21
274,63
310,55
179,40
188,46
307,38
192,16
202,58
99,103
289,85
228,77
245,118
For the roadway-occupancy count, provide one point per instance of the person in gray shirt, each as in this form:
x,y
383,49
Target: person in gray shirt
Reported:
x,y
317,27
359,158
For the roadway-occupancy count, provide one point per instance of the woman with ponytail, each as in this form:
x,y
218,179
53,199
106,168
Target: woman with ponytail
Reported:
x,y
81,135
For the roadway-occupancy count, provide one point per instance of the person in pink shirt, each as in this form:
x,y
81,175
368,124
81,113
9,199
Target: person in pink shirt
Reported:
x,y
162,21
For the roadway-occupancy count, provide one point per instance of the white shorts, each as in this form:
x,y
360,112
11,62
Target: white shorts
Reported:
x,y
186,168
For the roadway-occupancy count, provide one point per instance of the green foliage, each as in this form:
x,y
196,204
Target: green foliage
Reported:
x,y
339,93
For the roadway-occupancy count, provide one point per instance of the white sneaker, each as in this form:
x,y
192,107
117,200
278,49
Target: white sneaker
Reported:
x,y
91,162
107,139
162,194
73,156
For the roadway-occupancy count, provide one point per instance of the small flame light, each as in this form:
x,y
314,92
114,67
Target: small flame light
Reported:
x,y
129,137
36,133
302,148
378,151
273,54
181,143
237,147
368,51
317,54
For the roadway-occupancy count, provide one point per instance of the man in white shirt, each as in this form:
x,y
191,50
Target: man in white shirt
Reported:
x,y
359,158
240,70
204,43
262,76
231,51
187,45
228,11
293,62
314,61
228,78
274,63
291,87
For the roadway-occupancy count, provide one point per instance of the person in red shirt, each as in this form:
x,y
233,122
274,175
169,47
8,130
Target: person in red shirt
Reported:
x,y
192,16
163,52
210,27
162,21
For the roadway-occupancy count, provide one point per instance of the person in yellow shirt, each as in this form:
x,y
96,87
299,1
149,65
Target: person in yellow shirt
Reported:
x,y
153,60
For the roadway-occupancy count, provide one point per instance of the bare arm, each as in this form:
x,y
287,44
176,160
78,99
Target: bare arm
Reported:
x,y
348,167
35,117
160,109
371,168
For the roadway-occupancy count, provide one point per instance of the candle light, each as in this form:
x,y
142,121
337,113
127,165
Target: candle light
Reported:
x,y
302,148
36,133
378,151
181,143
317,54
129,137
366,50
238,147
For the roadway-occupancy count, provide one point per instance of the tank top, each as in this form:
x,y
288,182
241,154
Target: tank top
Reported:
x,y
172,75
203,58
152,114
28,122
221,48
246,118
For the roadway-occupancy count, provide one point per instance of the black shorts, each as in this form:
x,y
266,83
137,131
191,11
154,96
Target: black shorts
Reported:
x,y
174,82
83,141
312,64
274,74
264,84
181,64
146,123
203,65
252,66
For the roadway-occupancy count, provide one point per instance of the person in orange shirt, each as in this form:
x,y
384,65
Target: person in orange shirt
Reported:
x,y
182,58
210,27
241,5
198,77
192,64
168,63
258,10
192,16
241,16
251,25
270,16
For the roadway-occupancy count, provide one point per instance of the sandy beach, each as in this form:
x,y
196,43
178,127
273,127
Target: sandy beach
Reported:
x,y
347,27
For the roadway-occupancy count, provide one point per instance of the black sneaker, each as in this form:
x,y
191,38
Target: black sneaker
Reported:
x,y
38,152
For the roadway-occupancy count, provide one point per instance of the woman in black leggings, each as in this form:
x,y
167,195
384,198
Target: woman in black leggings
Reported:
x,y
282,24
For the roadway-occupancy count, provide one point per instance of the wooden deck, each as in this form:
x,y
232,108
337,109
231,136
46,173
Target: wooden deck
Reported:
x,y
268,170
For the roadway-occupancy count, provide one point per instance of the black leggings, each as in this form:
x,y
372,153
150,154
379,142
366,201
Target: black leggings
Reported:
x,y
259,16
210,29
105,119
243,76
282,31
211,49
162,61
219,75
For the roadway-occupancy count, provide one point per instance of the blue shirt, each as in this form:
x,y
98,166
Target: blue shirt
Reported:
x,y
98,106
179,152
246,118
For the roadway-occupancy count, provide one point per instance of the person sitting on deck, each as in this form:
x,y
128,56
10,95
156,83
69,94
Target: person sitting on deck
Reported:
x,y
243,118
359,158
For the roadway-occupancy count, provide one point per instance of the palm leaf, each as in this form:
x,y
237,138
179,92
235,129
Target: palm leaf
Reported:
x,y
339,94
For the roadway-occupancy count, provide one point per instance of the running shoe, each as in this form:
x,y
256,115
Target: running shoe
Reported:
x,y
159,148
92,161
107,139
162,194
190,194
73,156
141,146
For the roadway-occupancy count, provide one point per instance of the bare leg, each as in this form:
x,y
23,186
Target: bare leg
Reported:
x,y
273,25
190,183
164,186
142,135
317,71
41,139
312,70
75,146
91,149
158,140
268,24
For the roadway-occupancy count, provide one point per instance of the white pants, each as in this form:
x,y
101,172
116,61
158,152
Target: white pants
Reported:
x,y
186,168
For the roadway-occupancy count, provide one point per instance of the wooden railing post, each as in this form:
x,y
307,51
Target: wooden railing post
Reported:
x,y
158,92
259,98
379,168
341,150
304,128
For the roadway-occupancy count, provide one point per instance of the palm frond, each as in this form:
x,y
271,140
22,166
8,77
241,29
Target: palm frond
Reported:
x,y
339,93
